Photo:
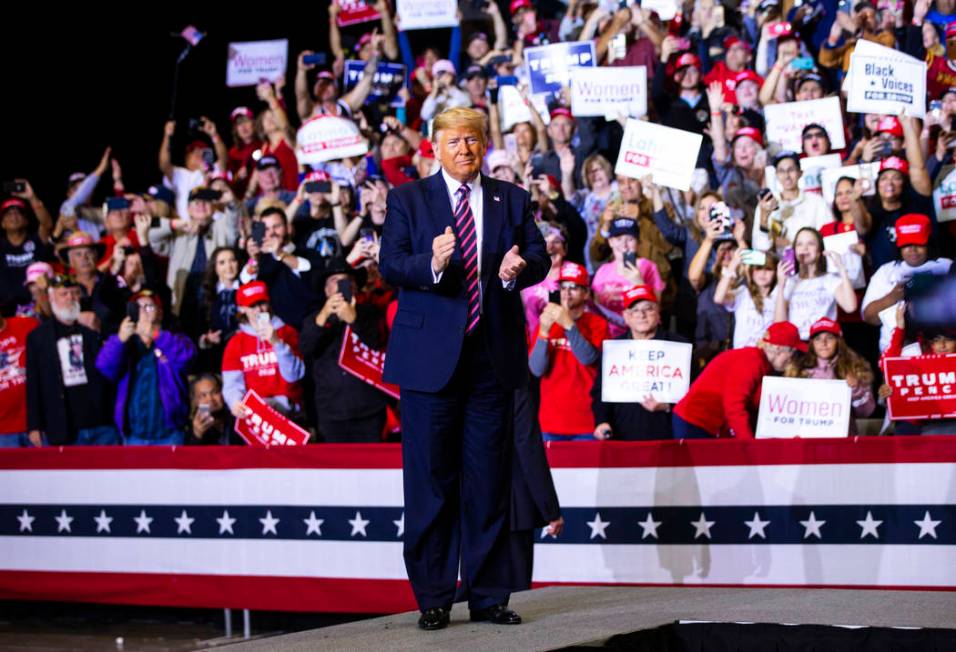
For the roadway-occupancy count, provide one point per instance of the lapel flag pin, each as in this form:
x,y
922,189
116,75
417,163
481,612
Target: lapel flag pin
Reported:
x,y
497,198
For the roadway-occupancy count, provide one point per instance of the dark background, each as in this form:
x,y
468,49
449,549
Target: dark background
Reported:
x,y
75,82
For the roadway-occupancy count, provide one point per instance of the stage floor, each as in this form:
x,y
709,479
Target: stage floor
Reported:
x,y
556,617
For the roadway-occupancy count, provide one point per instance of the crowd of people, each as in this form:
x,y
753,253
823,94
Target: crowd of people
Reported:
x,y
144,315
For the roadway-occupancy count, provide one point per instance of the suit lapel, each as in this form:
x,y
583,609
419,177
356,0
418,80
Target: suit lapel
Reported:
x,y
439,203
492,216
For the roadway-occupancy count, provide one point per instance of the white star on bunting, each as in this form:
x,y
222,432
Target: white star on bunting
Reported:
x,y
598,526
225,522
63,522
812,527
269,523
358,524
142,522
927,526
649,525
757,527
400,524
103,522
869,526
313,524
26,521
184,523
702,526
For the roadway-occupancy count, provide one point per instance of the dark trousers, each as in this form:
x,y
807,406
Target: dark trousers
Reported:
x,y
353,431
456,448
686,430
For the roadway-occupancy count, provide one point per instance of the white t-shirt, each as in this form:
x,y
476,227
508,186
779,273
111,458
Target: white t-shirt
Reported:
x,y
810,299
182,183
808,209
749,323
886,278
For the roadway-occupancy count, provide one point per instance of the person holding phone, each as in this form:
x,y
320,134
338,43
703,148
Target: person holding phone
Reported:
x,y
149,366
625,270
565,355
263,355
314,212
753,300
211,423
537,297
778,218
349,409
862,23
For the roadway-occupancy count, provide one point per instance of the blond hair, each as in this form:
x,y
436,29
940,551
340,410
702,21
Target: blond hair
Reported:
x,y
462,118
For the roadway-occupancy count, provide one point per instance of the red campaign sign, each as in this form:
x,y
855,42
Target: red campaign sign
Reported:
x,y
364,363
924,387
263,427
353,12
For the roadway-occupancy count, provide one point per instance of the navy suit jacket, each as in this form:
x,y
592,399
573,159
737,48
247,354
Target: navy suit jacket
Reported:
x,y
429,327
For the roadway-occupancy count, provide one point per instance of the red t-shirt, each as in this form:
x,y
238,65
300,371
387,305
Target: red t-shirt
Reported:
x,y
940,75
13,374
289,163
566,388
258,363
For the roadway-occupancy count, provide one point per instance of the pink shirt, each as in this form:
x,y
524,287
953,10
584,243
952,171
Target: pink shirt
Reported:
x,y
609,286
535,298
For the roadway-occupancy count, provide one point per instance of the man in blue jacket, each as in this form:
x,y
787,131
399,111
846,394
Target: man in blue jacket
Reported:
x,y
460,247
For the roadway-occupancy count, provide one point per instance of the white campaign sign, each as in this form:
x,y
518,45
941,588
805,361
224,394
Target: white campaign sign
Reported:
x,y
327,138
841,243
633,369
882,80
604,90
803,407
944,196
513,109
255,61
665,9
669,155
427,14
785,122
865,171
812,167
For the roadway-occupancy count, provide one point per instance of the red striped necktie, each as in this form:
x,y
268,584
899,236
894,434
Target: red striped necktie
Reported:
x,y
468,241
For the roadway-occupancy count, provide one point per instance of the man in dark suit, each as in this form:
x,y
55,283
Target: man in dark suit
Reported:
x,y
461,247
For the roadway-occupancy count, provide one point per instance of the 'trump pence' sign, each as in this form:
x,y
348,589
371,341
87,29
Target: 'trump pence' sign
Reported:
x,y
924,387
633,369
803,407
606,90
669,155
255,61
327,138
549,66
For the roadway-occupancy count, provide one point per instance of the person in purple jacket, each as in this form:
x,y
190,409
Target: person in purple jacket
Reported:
x,y
150,367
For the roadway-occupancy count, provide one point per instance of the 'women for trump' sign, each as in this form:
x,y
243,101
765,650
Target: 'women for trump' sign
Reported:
x,y
803,407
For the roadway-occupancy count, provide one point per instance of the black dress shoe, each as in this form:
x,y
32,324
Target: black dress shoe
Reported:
x,y
432,619
498,614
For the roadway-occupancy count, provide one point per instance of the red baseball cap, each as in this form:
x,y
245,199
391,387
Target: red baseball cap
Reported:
x,y
197,144
425,149
825,325
12,202
317,175
241,112
783,333
252,293
574,273
731,41
891,125
327,76
147,294
748,75
913,229
562,111
685,60
518,5
950,30
894,163
639,293
750,132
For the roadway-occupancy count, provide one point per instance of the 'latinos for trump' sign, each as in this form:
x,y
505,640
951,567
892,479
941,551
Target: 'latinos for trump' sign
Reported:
x,y
803,407
632,370
668,155
263,426
604,91
327,138
944,195
256,61
924,387
549,66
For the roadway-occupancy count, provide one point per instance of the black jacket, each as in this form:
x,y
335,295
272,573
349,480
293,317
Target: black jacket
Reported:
x,y
630,421
291,296
339,395
47,405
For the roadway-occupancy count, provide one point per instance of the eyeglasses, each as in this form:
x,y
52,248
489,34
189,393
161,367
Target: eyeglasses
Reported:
x,y
814,134
572,286
634,310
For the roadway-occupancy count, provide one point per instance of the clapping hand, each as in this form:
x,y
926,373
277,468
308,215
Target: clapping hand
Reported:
x,y
443,246
511,265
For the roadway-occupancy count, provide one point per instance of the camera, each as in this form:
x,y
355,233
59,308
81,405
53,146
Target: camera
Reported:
x,y
10,187
720,212
317,59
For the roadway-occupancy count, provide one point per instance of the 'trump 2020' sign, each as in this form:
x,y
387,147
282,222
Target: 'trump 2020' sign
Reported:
x,y
803,407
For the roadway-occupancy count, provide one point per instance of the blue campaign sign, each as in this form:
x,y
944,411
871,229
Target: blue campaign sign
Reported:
x,y
549,65
389,78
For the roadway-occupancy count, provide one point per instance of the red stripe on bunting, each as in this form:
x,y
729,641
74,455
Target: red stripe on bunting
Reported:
x,y
723,452
330,595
